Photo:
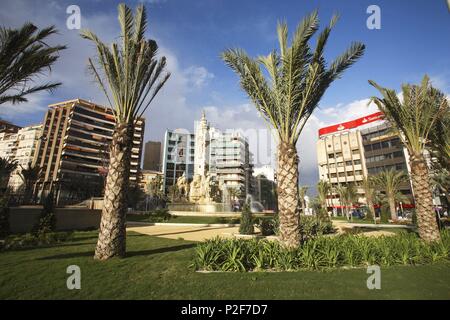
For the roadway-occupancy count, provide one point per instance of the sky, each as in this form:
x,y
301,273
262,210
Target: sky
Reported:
x,y
414,39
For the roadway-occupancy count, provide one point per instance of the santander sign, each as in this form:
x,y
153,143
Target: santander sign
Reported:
x,y
351,124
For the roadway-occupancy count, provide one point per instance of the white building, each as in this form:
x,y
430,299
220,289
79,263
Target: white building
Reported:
x,y
178,156
230,160
20,146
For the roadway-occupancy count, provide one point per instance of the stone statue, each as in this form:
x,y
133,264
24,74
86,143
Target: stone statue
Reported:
x,y
196,189
183,186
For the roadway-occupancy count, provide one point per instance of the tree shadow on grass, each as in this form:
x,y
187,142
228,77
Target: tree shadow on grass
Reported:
x,y
128,254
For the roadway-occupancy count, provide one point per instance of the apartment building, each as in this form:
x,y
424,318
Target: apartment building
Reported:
x,y
178,156
21,147
8,127
73,151
347,152
230,160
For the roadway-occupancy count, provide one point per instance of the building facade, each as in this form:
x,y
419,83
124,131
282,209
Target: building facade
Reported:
x,y
73,151
152,156
21,147
178,156
351,151
225,156
230,161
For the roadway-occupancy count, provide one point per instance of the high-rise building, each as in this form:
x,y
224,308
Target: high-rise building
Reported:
x,y
73,151
19,146
230,160
152,156
347,152
178,156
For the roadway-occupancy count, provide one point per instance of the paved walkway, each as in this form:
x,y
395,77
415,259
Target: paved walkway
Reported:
x,y
203,232
191,233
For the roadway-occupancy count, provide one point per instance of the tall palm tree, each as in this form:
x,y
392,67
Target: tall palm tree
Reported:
x,y
29,176
389,182
24,54
414,118
323,190
301,194
130,75
299,76
369,194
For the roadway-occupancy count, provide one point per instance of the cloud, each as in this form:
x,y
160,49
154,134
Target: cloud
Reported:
x,y
198,76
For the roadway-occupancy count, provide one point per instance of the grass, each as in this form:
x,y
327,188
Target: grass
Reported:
x,y
158,268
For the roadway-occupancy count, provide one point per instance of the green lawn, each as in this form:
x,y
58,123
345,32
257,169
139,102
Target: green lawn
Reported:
x,y
158,268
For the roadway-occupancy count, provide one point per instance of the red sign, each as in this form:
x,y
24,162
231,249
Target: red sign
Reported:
x,y
351,124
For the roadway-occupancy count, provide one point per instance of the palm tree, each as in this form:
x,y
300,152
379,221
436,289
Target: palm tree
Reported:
x,y
369,194
341,191
323,190
348,196
29,176
7,166
299,77
302,192
414,118
24,54
130,75
389,182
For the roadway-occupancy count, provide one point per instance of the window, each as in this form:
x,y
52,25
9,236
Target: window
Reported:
x,y
338,154
357,161
331,156
341,174
340,164
348,163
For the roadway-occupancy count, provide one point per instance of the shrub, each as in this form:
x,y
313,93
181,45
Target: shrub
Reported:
x,y
319,252
30,240
47,219
4,217
246,226
268,226
311,227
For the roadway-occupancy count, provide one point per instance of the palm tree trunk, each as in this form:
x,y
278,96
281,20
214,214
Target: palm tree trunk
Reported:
x,y
426,220
287,175
392,207
111,239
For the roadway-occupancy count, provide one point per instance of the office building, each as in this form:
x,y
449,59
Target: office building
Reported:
x,y
152,156
350,151
73,152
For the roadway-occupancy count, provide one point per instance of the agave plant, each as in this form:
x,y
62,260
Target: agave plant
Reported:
x,y
299,76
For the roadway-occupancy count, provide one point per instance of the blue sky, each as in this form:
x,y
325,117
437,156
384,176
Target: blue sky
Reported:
x,y
413,40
